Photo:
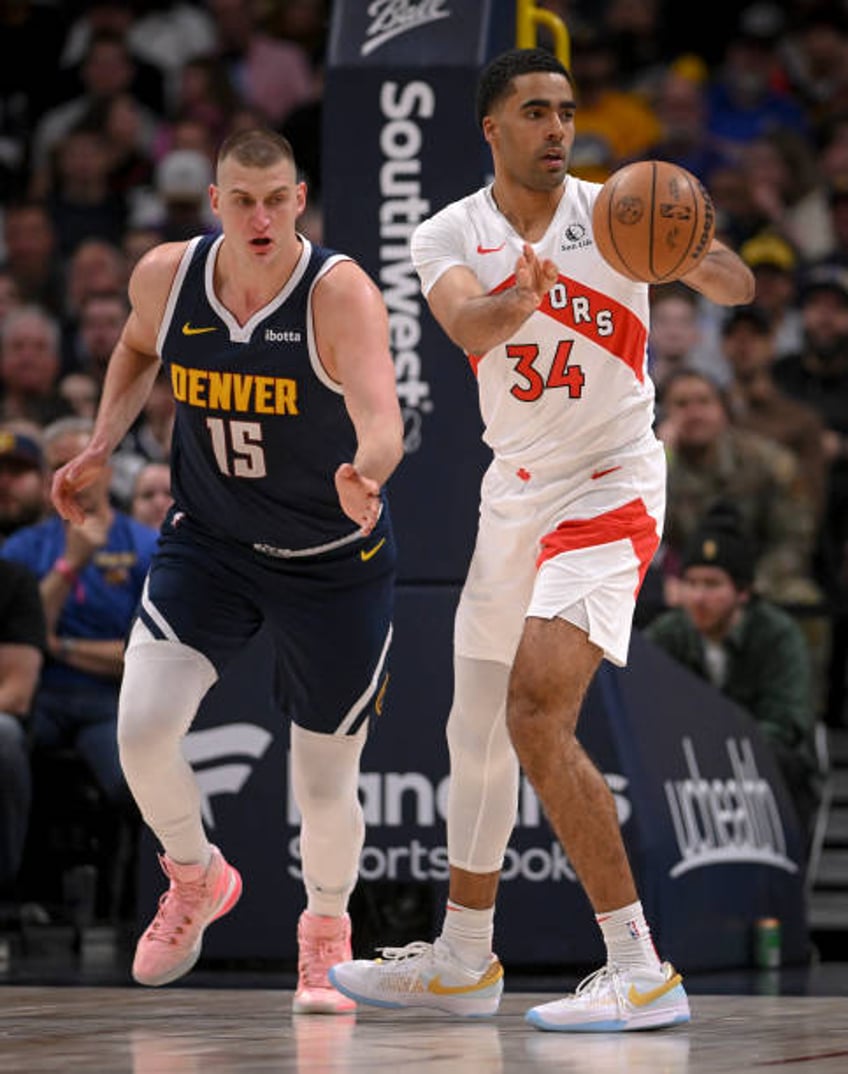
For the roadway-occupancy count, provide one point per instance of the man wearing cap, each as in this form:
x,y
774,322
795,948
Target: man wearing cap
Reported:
x,y
747,647
818,375
774,262
22,481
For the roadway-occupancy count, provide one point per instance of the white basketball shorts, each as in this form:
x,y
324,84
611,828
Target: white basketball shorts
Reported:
x,y
575,547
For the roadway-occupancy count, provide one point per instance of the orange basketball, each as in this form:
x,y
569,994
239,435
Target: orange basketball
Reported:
x,y
653,221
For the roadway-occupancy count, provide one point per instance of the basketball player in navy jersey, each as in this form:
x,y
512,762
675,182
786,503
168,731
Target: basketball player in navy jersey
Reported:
x,y
287,428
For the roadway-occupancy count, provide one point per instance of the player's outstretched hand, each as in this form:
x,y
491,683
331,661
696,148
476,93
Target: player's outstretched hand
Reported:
x,y
359,497
534,277
75,475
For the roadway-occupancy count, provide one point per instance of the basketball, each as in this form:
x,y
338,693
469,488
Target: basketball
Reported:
x,y
653,221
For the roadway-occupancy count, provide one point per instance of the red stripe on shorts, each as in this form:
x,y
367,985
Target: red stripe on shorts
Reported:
x,y
630,522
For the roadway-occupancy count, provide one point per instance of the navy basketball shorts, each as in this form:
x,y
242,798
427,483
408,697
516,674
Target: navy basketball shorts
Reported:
x,y
329,616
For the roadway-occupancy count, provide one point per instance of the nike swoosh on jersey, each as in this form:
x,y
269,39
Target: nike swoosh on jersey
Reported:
x,y
490,249
603,473
642,999
490,977
369,553
189,331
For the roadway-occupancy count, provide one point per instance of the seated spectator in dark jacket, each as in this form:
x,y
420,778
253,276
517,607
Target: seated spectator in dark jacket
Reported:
x,y
22,643
747,647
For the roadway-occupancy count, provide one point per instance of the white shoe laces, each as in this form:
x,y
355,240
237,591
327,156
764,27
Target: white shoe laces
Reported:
x,y
607,978
416,949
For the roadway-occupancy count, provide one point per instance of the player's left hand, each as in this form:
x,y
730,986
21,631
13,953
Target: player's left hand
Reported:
x,y
359,497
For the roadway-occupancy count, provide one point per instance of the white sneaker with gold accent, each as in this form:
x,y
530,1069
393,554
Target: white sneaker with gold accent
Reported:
x,y
611,999
421,975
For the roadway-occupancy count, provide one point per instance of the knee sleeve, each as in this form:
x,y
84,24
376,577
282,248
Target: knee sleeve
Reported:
x,y
325,786
163,685
483,793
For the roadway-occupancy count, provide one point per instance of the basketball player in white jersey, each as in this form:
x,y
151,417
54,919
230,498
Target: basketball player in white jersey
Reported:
x,y
571,515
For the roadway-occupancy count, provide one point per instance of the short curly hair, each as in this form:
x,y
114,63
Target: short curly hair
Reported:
x,y
495,80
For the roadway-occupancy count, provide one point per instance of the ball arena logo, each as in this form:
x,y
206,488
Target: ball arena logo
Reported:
x,y
390,18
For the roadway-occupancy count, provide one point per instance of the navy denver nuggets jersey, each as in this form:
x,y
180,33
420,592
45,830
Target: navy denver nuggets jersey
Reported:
x,y
260,426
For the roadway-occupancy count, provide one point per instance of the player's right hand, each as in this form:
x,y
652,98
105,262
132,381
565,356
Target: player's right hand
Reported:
x,y
534,277
69,479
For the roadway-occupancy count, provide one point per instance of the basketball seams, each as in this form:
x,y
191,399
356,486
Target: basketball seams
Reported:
x,y
611,230
653,204
693,232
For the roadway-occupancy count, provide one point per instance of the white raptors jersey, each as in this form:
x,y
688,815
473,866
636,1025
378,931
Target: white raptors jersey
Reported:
x,y
571,382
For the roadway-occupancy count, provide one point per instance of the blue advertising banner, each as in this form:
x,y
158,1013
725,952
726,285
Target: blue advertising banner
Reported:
x,y
711,833
399,142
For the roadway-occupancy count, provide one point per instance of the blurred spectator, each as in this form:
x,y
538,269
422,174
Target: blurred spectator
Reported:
x,y
23,489
612,126
81,392
711,460
637,32
137,241
271,75
10,294
680,104
748,96
832,142
305,23
109,20
679,337
91,578
747,647
107,72
27,30
30,361
818,57
675,335
818,376
780,170
29,239
206,97
151,498
774,263
182,206
23,641
837,252
101,320
161,35
96,267
128,143
759,404
80,198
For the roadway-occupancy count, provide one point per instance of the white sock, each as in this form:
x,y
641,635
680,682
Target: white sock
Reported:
x,y
628,938
468,933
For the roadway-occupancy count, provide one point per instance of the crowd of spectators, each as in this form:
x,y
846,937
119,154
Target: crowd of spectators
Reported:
x,y
115,152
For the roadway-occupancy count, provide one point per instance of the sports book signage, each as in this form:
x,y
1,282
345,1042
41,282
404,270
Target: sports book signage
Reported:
x,y
704,814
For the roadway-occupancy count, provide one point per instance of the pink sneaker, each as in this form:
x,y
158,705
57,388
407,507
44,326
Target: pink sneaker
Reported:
x,y
322,942
196,897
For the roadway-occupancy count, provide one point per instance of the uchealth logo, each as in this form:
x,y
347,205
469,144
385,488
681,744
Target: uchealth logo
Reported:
x,y
723,819
396,804
390,18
